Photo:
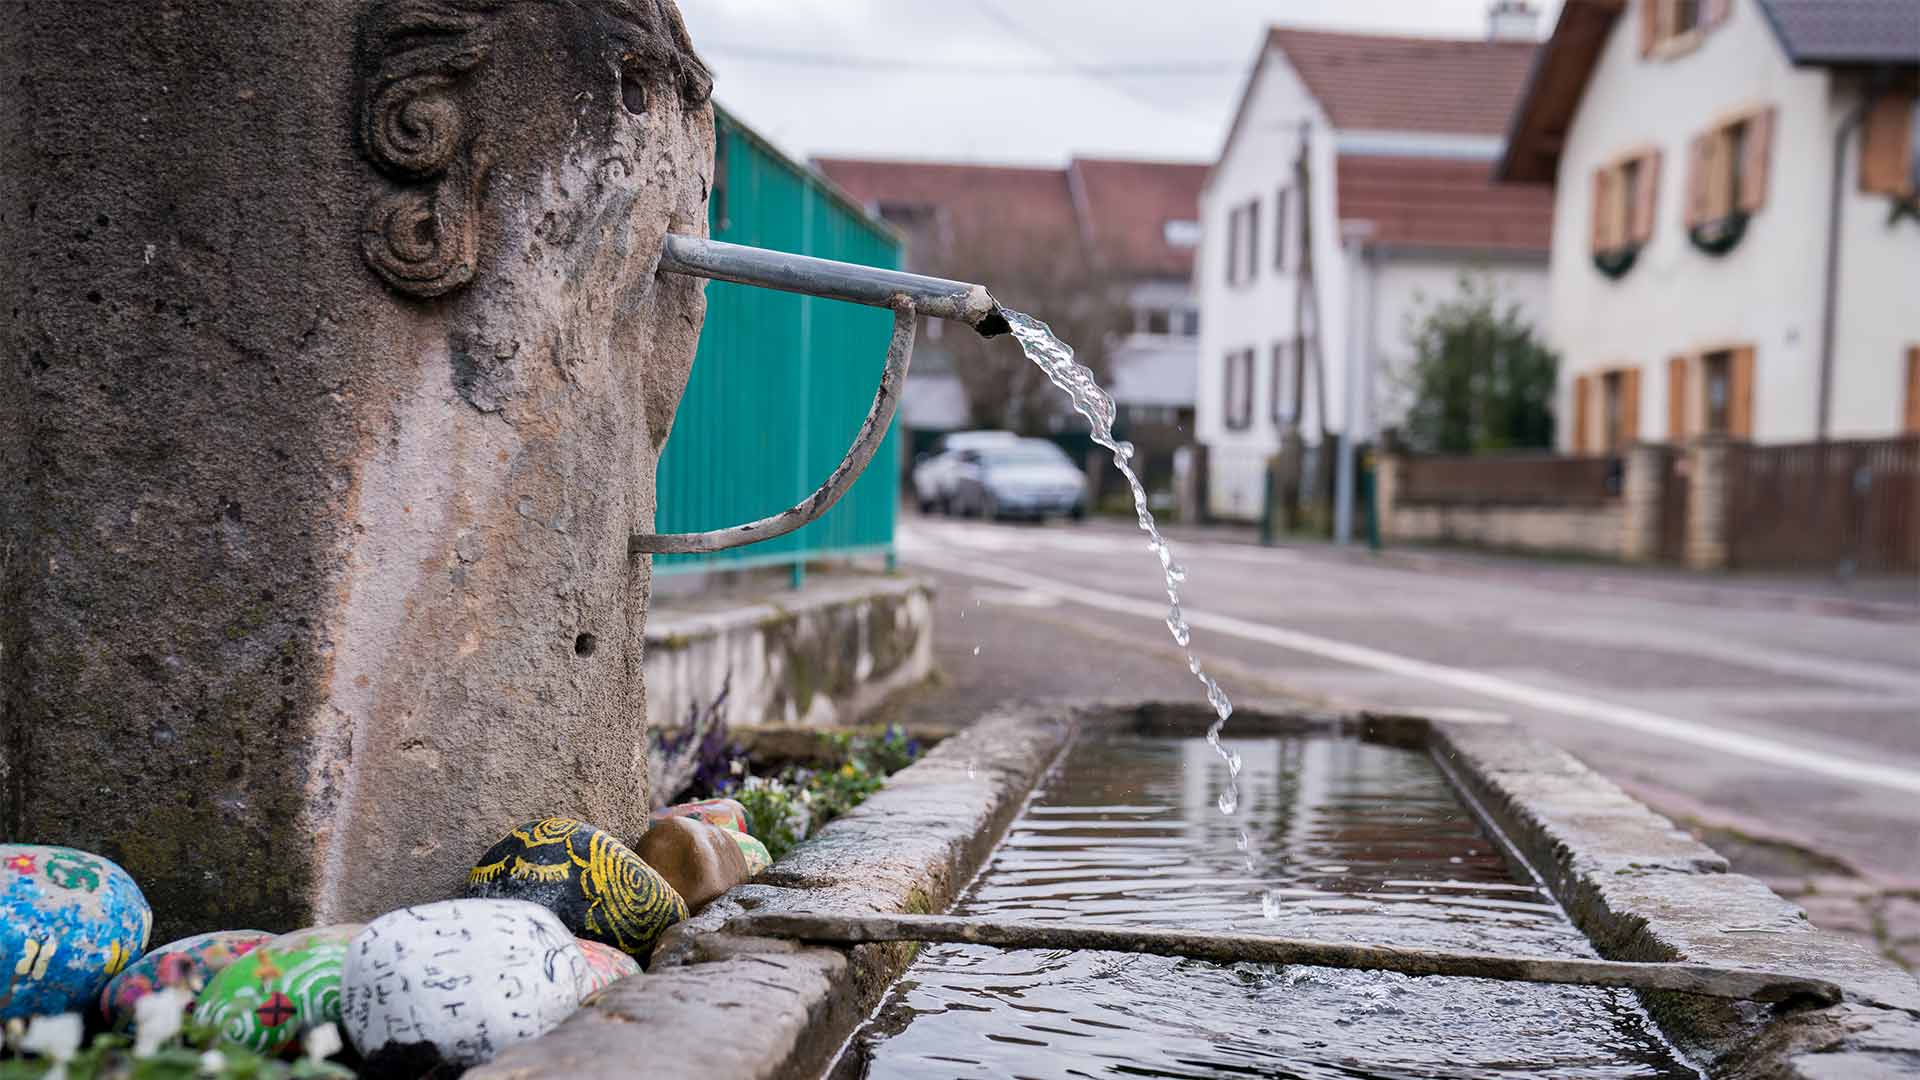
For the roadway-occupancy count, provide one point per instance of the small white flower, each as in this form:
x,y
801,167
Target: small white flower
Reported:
x,y
321,1043
157,1018
213,1063
736,767
57,1037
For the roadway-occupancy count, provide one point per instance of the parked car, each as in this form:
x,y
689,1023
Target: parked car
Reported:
x,y
1025,478
935,471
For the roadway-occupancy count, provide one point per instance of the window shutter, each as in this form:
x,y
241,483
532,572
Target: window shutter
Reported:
x,y
1713,12
1886,146
1603,180
1700,179
1629,408
1645,198
1912,426
1253,240
1676,399
1758,151
1740,394
1582,386
1649,25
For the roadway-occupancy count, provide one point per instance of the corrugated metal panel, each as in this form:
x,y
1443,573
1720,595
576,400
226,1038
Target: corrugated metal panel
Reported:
x,y
781,382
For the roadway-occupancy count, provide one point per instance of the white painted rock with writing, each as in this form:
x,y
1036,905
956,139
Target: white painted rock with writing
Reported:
x,y
467,977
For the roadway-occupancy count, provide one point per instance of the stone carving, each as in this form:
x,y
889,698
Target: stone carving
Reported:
x,y
422,239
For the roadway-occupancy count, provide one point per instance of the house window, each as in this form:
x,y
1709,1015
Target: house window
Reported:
x,y
1239,390
1253,239
1671,27
1284,393
1890,147
1159,321
1190,323
1721,380
1727,179
1716,373
1624,194
1280,201
1612,398
1233,246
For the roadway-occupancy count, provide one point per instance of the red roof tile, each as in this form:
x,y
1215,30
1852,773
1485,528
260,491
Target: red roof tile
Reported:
x,y
1126,206
1378,82
1444,204
966,196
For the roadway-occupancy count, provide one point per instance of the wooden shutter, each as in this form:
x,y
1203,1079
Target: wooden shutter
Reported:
x,y
1645,198
1740,394
1603,181
1676,399
1649,25
1700,179
1757,151
1713,12
1582,391
1912,426
1886,146
1629,408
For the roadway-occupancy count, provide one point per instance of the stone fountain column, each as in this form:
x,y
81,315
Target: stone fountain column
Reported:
x,y
333,375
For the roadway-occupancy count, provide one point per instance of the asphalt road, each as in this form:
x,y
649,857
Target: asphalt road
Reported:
x,y
1805,723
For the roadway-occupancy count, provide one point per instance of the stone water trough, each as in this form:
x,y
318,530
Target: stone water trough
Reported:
x,y
717,1004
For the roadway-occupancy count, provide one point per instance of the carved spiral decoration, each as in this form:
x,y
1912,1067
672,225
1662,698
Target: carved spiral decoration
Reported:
x,y
413,126
422,242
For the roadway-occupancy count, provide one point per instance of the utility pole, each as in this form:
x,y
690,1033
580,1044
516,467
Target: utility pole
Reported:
x,y
1354,236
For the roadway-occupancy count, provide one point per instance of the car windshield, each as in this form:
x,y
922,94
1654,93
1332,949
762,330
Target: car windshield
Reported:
x,y
1030,453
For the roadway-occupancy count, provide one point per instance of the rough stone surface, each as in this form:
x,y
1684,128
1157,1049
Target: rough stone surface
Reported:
x,y
1643,890
330,393
826,655
723,1006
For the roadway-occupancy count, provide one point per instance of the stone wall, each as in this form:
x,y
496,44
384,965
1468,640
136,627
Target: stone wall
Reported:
x,y
1582,530
827,655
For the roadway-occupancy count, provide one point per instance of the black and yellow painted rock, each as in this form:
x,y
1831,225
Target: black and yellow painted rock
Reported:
x,y
598,887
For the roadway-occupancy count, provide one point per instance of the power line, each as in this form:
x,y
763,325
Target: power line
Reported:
x,y
800,58
1073,63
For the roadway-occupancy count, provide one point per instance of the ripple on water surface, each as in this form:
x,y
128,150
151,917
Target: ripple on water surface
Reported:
x,y
1346,840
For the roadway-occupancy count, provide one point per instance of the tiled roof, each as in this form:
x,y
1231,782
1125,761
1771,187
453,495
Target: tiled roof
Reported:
x,y
1125,208
1377,82
1847,31
1118,208
1445,204
966,196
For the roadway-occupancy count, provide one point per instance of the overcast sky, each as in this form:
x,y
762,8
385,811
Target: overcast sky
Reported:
x,y
1015,81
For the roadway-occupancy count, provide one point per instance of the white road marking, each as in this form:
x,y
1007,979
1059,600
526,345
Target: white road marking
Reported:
x,y
1751,747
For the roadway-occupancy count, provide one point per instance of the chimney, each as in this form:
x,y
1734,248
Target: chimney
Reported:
x,y
1512,20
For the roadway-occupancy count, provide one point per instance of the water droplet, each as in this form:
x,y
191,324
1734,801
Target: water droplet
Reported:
x,y
1270,904
1230,801
976,650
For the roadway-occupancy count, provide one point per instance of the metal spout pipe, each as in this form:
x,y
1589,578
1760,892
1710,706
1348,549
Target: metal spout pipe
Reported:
x,y
933,297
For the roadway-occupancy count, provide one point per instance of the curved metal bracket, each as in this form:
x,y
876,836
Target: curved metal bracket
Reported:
x,y
872,432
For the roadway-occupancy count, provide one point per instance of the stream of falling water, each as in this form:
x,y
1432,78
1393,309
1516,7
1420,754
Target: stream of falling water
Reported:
x,y
1055,357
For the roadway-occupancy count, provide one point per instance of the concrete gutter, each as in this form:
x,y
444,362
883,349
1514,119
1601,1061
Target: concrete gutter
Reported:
x,y
723,1007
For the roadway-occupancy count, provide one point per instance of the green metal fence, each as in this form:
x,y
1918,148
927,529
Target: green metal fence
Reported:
x,y
781,382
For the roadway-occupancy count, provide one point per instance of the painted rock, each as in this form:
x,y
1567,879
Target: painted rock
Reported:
x,y
699,860
467,977
606,965
69,921
280,988
758,857
189,964
600,889
726,813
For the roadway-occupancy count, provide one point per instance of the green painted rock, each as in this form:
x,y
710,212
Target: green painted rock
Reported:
x,y
601,890
758,857
265,999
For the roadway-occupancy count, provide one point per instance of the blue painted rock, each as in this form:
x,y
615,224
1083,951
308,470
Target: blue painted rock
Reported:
x,y
758,857
467,977
700,861
726,813
265,999
600,889
69,921
189,964
606,965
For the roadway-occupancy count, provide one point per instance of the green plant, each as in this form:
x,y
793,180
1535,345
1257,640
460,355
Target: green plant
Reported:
x,y
775,813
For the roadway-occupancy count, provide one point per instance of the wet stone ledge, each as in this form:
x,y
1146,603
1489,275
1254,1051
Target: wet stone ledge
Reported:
x,y
723,1006
1642,889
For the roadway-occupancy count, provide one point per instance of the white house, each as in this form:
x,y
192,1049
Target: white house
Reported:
x,y
1736,241
1354,188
